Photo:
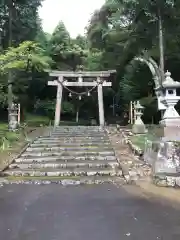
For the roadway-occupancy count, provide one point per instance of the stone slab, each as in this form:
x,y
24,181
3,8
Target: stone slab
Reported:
x,y
63,164
59,172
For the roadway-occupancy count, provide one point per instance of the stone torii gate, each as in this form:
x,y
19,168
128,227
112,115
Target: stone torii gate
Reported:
x,y
99,81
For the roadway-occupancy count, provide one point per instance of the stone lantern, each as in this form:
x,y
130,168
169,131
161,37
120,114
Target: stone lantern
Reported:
x,y
171,118
138,127
13,117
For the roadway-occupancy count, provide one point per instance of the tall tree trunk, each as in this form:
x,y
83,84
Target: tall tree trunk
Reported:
x,y
161,50
161,43
10,92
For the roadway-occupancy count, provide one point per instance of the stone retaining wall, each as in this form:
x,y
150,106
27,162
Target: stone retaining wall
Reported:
x,y
163,157
135,149
133,167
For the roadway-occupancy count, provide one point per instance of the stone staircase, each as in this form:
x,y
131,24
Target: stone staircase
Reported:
x,y
67,154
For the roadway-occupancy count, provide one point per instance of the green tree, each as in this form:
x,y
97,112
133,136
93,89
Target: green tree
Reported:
x,y
27,57
67,53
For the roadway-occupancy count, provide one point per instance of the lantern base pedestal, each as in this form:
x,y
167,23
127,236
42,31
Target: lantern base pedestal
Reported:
x,y
171,129
139,127
13,123
13,118
167,162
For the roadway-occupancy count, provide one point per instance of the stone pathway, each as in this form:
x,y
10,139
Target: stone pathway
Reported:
x,y
67,155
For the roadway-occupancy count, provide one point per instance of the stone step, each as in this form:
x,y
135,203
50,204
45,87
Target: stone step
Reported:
x,y
69,145
63,141
30,159
63,164
70,149
66,127
68,153
62,172
83,137
77,136
96,131
70,141
65,181
78,132
90,134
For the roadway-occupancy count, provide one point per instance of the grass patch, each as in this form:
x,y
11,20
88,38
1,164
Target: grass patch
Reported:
x,y
153,134
7,138
10,144
139,140
36,120
33,120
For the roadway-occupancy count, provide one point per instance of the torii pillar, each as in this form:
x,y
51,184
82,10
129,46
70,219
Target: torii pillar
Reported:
x,y
100,104
58,103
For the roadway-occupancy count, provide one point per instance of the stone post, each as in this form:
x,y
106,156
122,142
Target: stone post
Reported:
x,y
138,127
100,103
58,103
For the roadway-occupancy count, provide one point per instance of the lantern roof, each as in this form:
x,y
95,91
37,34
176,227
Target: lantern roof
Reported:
x,y
169,81
138,105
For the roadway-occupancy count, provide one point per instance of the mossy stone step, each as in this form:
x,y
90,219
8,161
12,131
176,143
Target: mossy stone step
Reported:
x,y
67,149
69,153
63,164
63,141
63,158
70,138
69,145
65,181
62,172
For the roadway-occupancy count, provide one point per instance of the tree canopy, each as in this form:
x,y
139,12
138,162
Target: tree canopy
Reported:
x,y
115,35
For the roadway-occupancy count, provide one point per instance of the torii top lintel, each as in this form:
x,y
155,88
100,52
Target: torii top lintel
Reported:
x,y
81,73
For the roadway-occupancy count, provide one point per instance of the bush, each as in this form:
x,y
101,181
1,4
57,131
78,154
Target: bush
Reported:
x,y
47,108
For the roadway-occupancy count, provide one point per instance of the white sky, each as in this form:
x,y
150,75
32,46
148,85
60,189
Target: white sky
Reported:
x,y
74,13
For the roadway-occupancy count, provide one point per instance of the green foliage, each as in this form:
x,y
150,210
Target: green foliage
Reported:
x,y
93,62
33,120
119,31
25,21
67,53
68,108
26,55
47,108
123,29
